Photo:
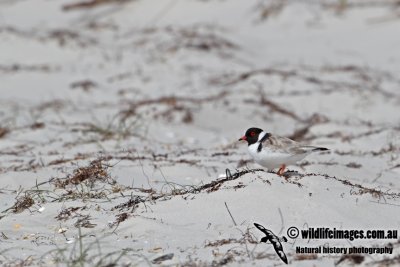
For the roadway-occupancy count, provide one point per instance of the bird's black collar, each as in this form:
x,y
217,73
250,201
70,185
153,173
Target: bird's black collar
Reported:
x,y
265,137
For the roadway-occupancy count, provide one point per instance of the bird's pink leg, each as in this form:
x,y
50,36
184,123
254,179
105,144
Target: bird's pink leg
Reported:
x,y
281,169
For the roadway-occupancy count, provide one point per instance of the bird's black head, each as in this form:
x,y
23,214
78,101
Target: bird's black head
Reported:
x,y
264,239
251,135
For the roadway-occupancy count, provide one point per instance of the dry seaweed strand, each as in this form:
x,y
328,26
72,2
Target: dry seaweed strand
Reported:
x,y
4,131
23,203
353,259
171,101
96,171
90,4
67,213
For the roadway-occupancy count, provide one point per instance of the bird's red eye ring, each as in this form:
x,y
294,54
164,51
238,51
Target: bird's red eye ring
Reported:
x,y
252,134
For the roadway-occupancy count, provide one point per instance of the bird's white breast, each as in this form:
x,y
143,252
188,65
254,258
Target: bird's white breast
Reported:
x,y
272,159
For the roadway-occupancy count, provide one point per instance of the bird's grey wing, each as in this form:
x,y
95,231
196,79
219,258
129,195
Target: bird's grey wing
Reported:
x,y
280,144
286,145
300,149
